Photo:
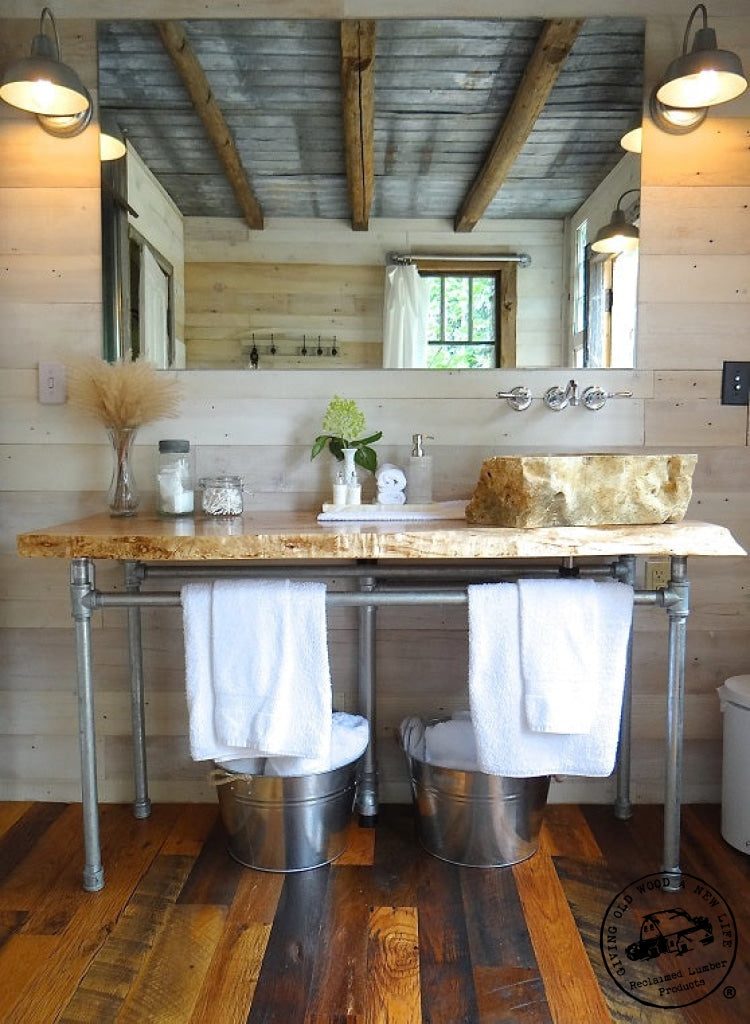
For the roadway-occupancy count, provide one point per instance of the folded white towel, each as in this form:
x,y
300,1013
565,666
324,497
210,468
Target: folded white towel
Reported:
x,y
390,476
386,496
350,735
561,650
505,743
452,744
257,674
400,513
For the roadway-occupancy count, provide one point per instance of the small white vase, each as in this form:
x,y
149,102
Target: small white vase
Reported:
x,y
353,487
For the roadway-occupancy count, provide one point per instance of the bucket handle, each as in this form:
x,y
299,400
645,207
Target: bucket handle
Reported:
x,y
220,777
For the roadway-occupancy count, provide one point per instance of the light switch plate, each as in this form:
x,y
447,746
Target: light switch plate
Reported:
x,y
52,389
735,383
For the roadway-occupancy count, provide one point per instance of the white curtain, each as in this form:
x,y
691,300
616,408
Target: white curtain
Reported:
x,y
404,318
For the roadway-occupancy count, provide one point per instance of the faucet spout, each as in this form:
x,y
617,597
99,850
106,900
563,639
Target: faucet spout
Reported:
x,y
571,392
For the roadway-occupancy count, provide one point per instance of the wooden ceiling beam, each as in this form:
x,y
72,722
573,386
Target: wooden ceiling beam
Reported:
x,y
358,96
551,51
194,78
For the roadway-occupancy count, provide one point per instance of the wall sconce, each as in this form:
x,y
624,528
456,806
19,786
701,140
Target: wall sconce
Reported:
x,y
619,235
41,83
705,76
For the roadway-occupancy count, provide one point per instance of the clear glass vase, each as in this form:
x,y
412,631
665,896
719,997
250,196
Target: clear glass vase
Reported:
x,y
123,496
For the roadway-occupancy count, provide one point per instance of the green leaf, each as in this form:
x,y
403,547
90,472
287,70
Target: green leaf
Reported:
x,y
367,458
320,443
336,447
369,440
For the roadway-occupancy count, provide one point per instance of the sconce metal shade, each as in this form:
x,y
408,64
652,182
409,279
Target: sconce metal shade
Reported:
x,y
111,139
41,83
632,140
705,76
619,235
675,120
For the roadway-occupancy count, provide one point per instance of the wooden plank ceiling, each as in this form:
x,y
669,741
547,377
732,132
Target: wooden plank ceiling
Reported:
x,y
456,119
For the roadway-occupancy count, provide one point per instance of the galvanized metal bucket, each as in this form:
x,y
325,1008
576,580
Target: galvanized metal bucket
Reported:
x,y
287,823
474,819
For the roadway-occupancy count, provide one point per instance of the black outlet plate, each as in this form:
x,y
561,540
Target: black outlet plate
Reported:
x,y
735,384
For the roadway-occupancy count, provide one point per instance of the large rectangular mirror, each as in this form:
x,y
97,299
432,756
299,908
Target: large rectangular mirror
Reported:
x,y
275,167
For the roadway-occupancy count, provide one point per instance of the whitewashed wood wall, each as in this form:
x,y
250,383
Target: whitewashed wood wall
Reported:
x,y
694,313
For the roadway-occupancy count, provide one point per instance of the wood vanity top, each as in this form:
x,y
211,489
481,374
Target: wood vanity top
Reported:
x,y
298,535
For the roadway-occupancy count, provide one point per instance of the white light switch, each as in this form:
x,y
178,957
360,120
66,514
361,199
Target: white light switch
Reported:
x,y
52,383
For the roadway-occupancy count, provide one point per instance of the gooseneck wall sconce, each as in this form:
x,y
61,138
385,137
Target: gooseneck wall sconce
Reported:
x,y
696,80
619,235
706,75
41,83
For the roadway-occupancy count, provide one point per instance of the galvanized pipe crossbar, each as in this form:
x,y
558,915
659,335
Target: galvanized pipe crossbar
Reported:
x,y
344,598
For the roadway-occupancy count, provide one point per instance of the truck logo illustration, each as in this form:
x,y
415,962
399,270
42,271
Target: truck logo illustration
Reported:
x,y
670,931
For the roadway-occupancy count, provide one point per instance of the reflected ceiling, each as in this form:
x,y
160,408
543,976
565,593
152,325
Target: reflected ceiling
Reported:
x,y
442,89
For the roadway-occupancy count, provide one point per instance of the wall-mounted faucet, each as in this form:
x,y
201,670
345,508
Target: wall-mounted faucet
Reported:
x,y
558,398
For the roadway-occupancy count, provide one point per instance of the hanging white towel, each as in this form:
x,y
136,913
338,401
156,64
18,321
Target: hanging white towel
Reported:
x,y
561,651
257,673
505,743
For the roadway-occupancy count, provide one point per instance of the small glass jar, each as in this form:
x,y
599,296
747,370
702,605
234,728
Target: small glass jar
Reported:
x,y
222,495
174,479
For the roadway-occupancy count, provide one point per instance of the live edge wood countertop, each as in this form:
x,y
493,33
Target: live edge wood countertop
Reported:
x,y
298,535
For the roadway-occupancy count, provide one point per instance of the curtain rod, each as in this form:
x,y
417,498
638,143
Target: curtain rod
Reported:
x,y
503,257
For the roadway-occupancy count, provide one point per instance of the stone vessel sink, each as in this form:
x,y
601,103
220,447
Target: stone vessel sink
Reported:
x,y
582,490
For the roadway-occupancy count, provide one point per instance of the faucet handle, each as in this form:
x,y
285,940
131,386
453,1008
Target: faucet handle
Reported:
x,y
518,398
556,398
595,398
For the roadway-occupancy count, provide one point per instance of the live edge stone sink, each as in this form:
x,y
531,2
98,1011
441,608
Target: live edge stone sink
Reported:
x,y
582,490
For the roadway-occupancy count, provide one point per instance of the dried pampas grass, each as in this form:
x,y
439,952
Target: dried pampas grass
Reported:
x,y
120,395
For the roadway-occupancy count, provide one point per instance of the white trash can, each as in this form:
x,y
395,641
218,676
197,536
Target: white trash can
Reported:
x,y
735,792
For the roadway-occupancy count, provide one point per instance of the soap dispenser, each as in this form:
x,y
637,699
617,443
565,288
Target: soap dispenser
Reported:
x,y
419,474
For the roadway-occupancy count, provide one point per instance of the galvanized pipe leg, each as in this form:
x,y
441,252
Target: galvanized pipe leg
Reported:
x,y
81,585
141,802
677,611
367,785
623,807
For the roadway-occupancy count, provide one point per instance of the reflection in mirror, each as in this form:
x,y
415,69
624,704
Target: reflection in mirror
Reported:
x,y
267,269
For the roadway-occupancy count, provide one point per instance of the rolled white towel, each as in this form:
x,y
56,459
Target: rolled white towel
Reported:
x,y
390,476
386,496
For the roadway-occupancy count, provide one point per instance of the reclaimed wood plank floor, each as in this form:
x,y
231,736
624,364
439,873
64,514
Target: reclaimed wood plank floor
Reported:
x,y
387,934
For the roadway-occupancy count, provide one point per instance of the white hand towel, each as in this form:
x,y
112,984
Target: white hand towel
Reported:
x,y
505,743
257,674
390,497
390,476
560,622
350,735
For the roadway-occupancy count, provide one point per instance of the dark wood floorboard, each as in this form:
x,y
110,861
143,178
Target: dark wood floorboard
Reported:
x,y
182,934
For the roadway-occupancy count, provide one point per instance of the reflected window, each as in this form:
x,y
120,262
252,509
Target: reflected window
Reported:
x,y
462,321
472,312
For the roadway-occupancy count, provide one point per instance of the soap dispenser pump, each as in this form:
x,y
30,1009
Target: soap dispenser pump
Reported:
x,y
419,476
